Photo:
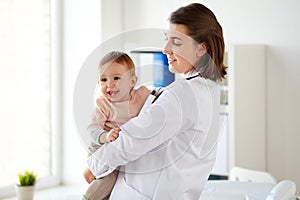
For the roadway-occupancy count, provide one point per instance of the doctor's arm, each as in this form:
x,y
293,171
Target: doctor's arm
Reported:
x,y
157,124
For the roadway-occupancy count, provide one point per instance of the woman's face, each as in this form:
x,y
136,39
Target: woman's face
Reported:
x,y
180,49
116,81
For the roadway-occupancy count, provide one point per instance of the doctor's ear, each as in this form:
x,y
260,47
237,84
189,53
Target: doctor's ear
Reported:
x,y
202,49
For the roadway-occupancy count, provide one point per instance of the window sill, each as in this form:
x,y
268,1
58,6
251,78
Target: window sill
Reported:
x,y
58,193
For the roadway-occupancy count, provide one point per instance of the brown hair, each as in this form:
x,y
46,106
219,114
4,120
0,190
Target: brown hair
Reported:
x,y
203,27
118,57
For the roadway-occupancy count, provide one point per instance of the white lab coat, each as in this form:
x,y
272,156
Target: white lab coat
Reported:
x,y
169,150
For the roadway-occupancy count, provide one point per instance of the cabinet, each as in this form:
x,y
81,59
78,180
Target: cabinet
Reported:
x,y
243,99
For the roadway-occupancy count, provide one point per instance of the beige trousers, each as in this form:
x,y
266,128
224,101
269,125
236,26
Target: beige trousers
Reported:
x,y
100,189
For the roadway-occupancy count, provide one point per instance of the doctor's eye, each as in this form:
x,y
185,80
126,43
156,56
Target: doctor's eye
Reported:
x,y
177,42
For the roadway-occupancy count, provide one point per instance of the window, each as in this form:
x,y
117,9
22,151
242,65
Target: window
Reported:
x,y
28,100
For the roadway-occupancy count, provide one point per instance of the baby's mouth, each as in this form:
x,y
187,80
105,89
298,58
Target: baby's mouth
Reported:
x,y
113,93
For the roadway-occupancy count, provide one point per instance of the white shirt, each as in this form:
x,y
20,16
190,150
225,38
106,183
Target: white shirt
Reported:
x,y
168,151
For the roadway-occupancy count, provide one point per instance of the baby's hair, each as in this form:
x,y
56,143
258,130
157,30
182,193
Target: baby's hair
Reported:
x,y
120,58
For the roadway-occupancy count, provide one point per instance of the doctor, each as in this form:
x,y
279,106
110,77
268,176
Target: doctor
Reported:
x,y
169,150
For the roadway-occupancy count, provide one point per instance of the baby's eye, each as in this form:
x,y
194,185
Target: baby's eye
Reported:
x,y
117,78
103,79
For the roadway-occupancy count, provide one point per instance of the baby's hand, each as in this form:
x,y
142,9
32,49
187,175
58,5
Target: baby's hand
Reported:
x,y
113,134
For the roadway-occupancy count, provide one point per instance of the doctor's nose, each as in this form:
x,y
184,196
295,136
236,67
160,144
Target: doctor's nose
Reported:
x,y
167,49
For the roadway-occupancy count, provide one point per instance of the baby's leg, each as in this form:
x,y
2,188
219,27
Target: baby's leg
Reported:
x,y
100,189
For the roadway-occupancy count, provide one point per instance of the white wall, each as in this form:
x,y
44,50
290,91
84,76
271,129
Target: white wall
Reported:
x,y
111,18
270,22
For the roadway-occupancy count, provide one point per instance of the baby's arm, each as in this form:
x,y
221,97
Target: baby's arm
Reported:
x,y
98,128
102,136
95,131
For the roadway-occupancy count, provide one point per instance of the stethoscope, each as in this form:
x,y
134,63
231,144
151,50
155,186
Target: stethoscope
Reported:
x,y
160,92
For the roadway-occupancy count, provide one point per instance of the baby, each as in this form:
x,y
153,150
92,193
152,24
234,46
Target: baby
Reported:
x,y
119,103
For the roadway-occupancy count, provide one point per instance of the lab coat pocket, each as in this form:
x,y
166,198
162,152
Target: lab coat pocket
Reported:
x,y
125,192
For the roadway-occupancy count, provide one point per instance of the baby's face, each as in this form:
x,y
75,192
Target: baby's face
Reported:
x,y
116,81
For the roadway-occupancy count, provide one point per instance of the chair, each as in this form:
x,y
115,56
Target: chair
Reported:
x,y
249,175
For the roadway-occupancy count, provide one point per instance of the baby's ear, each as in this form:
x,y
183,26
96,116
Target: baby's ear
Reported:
x,y
133,80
